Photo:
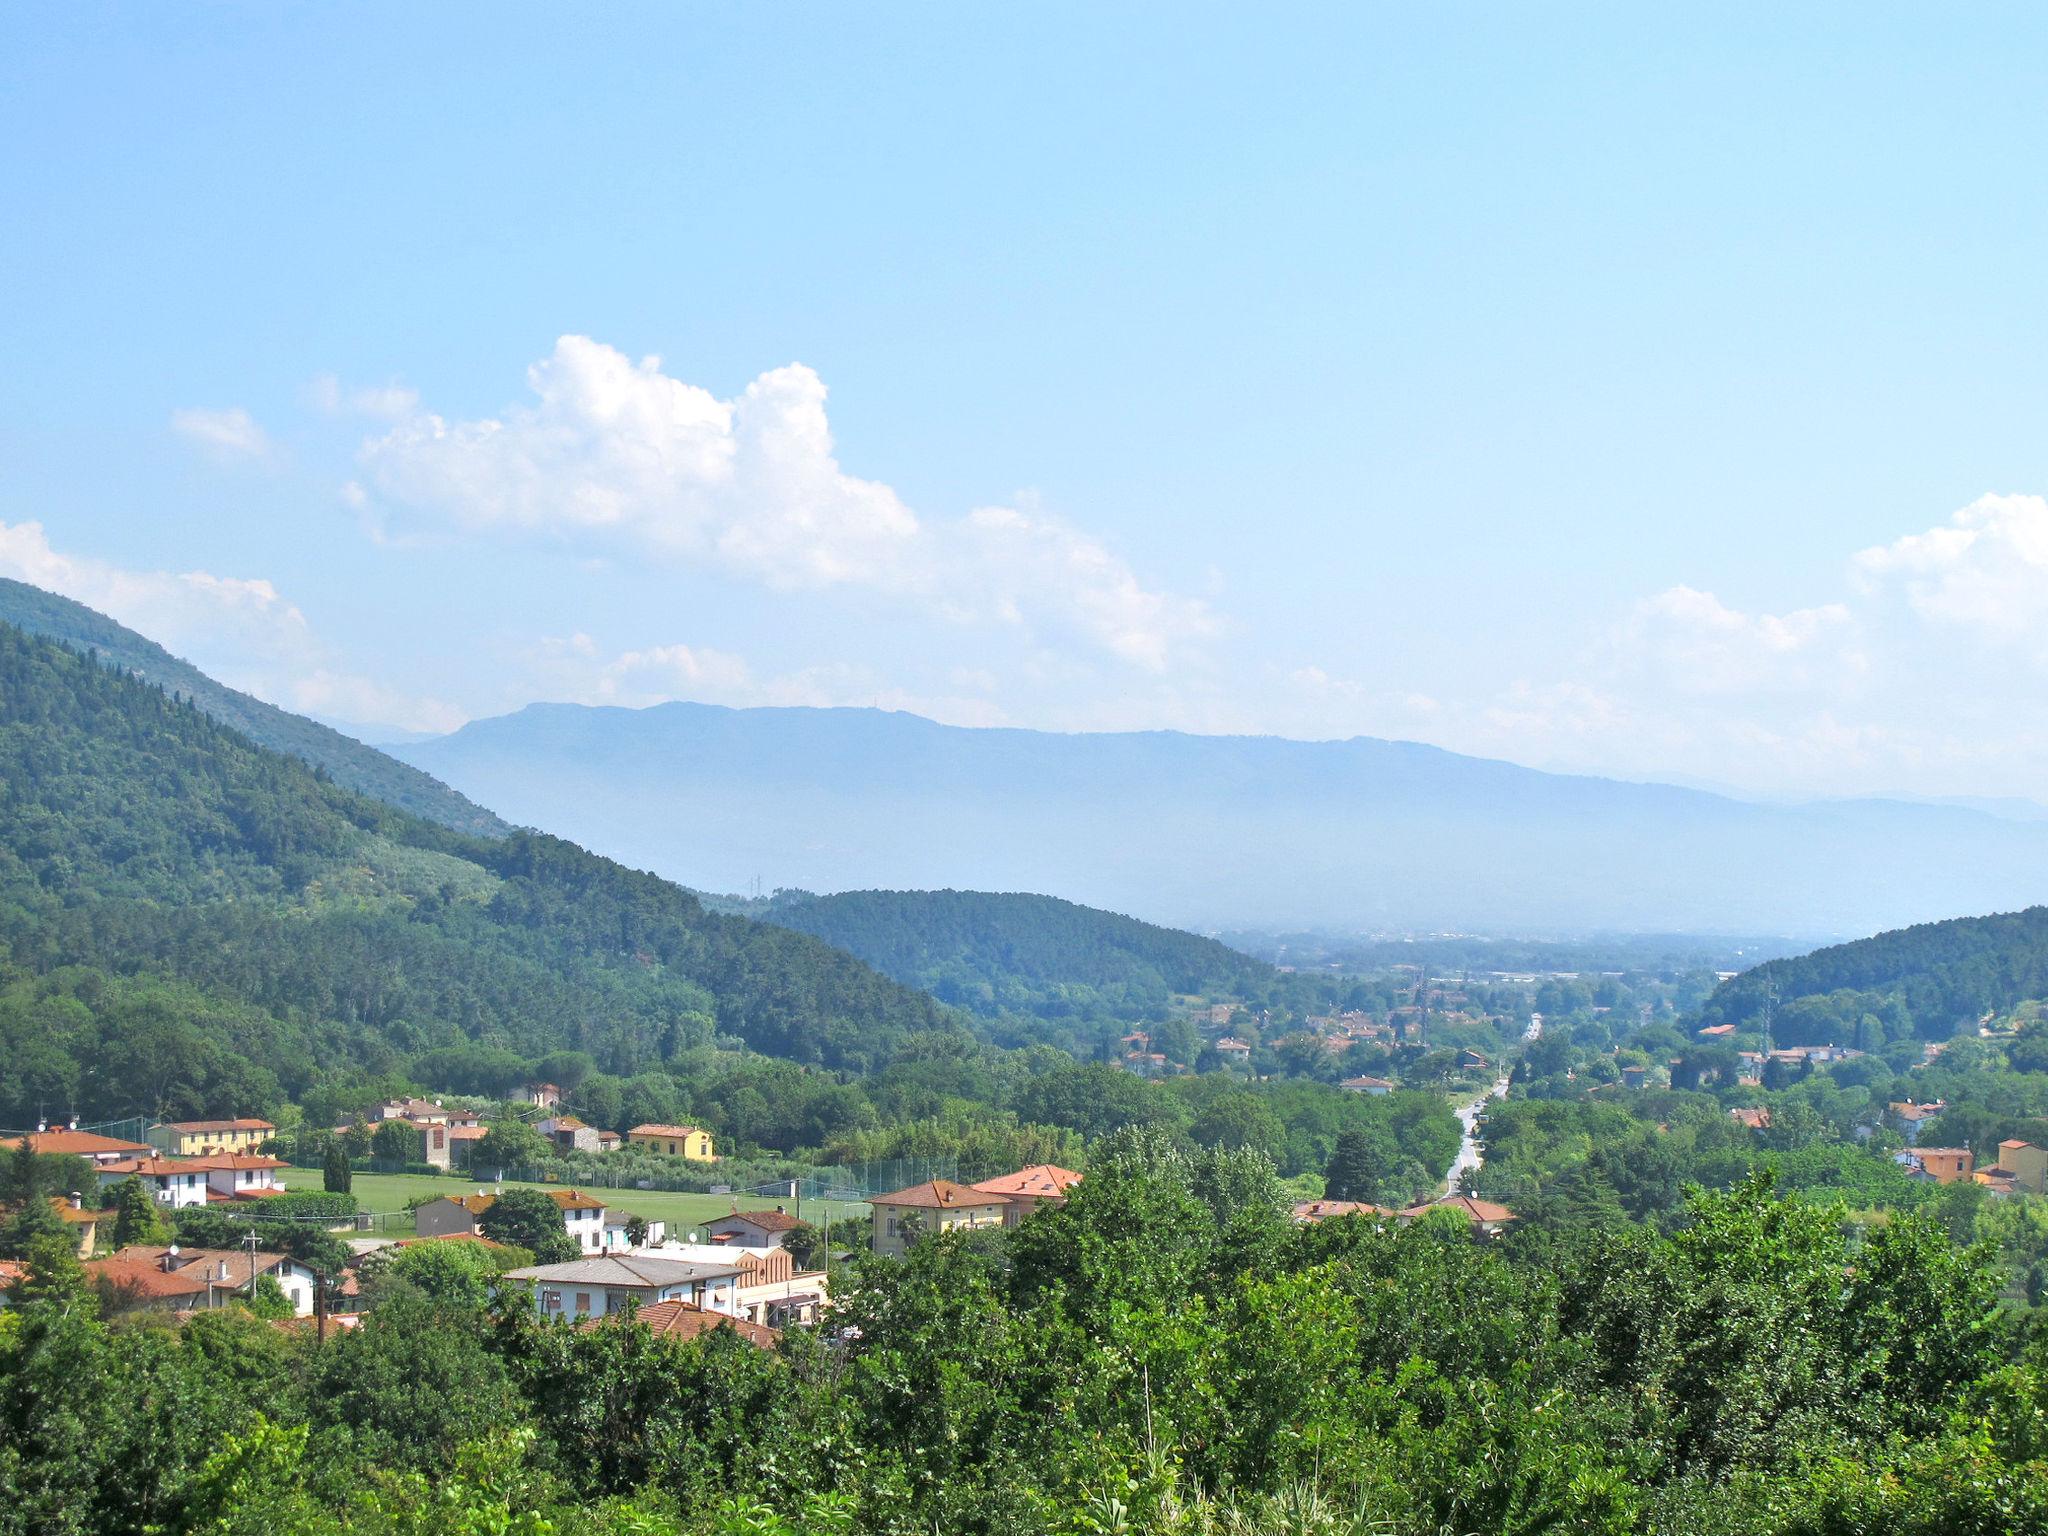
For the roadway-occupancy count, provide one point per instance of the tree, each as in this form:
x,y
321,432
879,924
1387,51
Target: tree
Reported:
x,y
337,1176
267,1299
396,1141
509,1144
136,1216
36,1221
527,1218
1354,1171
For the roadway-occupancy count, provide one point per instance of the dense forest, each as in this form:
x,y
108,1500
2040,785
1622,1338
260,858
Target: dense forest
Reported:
x,y
1167,1354
349,762
234,903
1014,953
1943,975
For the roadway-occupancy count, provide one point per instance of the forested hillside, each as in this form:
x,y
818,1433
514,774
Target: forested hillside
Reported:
x,y
193,924
351,764
1930,978
1008,952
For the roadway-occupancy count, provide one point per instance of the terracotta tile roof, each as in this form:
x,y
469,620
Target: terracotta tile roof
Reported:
x,y
1329,1210
200,1127
940,1194
567,1199
11,1272
768,1221
467,1133
686,1320
156,1165
666,1130
1471,1209
225,1162
74,1144
142,1277
1041,1181
1755,1119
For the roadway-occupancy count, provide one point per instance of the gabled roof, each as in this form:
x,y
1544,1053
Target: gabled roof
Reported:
x,y
626,1271
940,1194
1041,1181
1330,1210
144,1277
1473,1210
686,1320
567,1199
154,1166
74,1144
223,1162
667,1130
764,1221
1755,1119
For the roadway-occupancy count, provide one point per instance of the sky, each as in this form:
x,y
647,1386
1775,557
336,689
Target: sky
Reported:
x,y
1634,390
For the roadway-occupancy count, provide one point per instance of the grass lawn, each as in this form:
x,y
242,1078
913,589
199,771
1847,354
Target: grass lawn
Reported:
x,y
387,1193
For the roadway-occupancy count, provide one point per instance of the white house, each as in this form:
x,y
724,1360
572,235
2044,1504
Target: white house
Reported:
x,y
600,1287
240,1175
177,1182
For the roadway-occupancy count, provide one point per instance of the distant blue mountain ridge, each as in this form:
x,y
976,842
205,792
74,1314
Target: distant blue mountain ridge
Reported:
x,y
1220,831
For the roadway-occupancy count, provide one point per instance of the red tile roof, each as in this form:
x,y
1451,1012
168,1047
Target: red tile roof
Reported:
x,y
1041,1181
1471,1209
142,1277
666,1130
686,1320
200,1127
74,1144
940,1194
768,1221
1330,1210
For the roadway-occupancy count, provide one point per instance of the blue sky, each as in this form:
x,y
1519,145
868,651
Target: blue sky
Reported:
x,y
1598,387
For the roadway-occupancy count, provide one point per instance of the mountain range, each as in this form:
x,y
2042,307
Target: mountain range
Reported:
x,y
1218,832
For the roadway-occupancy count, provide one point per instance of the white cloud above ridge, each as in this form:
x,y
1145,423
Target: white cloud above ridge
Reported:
x,y
622,454
239,630
226,434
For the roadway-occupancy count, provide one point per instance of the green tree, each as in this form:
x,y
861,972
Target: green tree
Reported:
x,y
527,1218
137,1217
1356,1166
337,1175
508,1144
396,1141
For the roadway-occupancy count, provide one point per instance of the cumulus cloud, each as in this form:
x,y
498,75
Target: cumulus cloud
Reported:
x,y
240,630
1695,643
1983,572
227,434
616,453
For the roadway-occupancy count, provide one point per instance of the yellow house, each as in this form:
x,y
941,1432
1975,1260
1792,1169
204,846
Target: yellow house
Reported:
x,y
2027,1163
198,1138
938,1205
674,1141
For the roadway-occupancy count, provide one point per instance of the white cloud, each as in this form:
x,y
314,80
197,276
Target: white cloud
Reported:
x,y
620,453
227,434
1692,642
330,397
1984,571
239,630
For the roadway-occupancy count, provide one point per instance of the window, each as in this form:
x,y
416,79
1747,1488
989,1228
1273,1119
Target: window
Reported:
x,y
551,1301
582,1301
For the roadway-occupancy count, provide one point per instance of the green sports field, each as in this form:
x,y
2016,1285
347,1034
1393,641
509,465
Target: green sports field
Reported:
x,y
386,1194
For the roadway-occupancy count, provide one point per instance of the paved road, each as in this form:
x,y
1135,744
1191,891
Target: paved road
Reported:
x,y
1469,1155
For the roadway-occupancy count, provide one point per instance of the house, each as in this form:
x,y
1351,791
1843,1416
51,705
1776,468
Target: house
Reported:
x,y
687,1141
938,1205
604,1286
770,1288
1635,1077
542,1095
569,1134
1310,1212
240,1175
1944,1165
462,1140
1148,1064
1486,1218
85,1222
1472,1061
753,1229
1371,1085
172,1181
191,1279
1029,1188
609,1141
617,1236
1756,1119
1715,1032
424,1111
195,1138
583,1216
69,1141
2027,1165
436,1140
685,1320
1912,1117
1230,1048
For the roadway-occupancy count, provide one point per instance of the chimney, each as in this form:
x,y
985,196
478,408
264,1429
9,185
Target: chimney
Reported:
x,y
77,1201
223,1269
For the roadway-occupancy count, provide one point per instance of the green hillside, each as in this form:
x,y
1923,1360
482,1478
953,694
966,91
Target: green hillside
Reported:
x,y
351,764
1013,953
1927,979
192,924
